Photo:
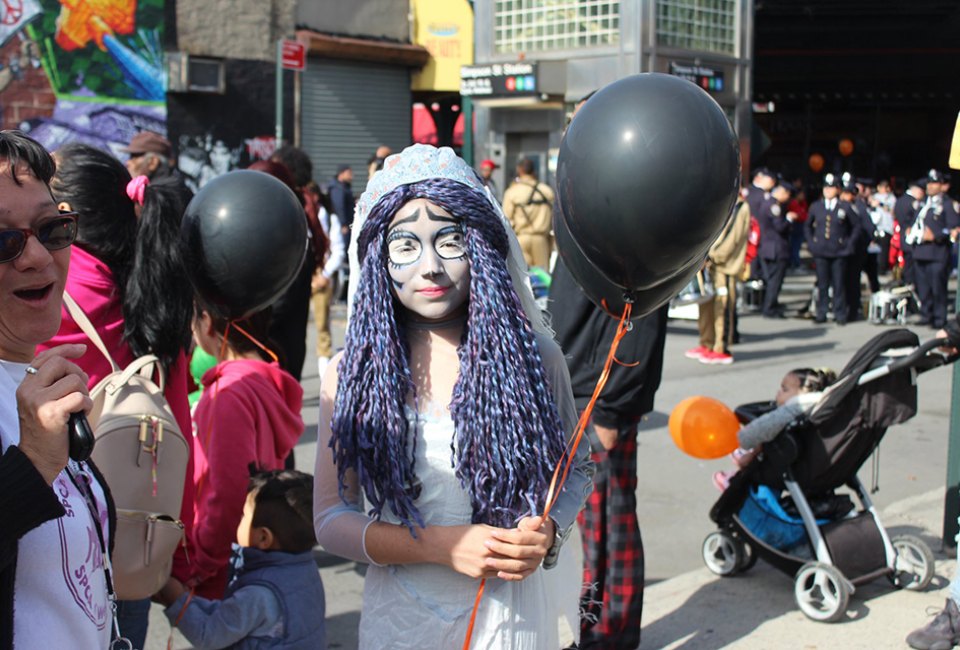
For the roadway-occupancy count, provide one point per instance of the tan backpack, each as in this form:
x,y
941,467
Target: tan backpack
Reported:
x,y
143,456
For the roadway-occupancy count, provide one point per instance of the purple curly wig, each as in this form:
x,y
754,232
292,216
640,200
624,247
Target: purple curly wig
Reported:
x,y
508,434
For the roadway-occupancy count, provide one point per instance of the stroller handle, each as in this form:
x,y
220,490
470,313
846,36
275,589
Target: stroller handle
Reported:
x,y
906,362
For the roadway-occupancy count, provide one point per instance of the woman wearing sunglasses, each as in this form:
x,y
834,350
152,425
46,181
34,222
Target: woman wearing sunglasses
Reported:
x,y
127,276
52,508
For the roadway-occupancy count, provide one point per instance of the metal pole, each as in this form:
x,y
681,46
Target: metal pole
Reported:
x,y
466,107
279,93
951,495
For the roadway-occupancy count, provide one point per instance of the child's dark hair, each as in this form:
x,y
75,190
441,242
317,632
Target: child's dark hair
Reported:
x,y
256,325
814,380
284,503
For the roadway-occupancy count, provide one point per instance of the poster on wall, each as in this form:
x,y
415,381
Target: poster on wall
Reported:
x,y
82,70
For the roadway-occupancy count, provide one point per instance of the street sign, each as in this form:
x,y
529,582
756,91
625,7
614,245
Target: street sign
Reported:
x,y
293,56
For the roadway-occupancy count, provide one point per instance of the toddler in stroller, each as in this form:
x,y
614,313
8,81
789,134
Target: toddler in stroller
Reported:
x,y
800,389
838,545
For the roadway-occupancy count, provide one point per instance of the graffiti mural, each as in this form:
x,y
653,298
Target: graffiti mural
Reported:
x,y
87,70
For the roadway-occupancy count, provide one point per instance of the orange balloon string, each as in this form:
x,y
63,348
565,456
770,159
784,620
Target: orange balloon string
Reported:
x,y
562,469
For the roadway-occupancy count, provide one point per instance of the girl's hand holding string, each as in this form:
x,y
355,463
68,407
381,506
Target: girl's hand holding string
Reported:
x,y
481,551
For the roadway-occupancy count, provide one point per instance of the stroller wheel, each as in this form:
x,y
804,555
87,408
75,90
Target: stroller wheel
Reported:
x,y
748,556
821,591
913,567
722,553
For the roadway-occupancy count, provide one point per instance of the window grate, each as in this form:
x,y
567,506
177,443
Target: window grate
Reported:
x,y
704,25
542,25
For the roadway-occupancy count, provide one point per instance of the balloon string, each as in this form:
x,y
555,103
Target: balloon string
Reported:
x,y
253,340
567,459
473,615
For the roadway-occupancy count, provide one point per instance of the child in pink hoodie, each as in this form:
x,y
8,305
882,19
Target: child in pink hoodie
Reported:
x,y
248,418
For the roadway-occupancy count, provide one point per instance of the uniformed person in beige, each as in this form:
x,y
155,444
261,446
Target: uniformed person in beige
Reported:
x,y
528,204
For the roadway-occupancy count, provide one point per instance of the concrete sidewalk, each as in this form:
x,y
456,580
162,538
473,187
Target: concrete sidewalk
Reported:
x,y
756,610
700,611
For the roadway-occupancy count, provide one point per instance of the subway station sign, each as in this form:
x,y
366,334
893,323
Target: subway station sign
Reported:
x,y
499,80
710,79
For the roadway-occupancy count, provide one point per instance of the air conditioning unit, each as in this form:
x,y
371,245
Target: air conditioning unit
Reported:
x,y
194,74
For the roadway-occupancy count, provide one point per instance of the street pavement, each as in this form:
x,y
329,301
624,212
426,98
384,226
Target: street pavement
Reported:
x,y
686,606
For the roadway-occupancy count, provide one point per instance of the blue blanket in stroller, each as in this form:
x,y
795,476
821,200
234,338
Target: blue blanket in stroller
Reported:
x,y
763,515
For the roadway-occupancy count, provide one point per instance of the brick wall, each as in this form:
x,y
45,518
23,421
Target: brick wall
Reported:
x,y
25,98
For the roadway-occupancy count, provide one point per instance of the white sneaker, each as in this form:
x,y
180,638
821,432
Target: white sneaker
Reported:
x,y
322,363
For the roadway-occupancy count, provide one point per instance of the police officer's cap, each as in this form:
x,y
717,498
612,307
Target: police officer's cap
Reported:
x,y
920,183
850,187
934,176
847,178
832,180
764,171
785,185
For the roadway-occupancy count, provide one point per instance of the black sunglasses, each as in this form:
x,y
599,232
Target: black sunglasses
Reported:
x,y
53,234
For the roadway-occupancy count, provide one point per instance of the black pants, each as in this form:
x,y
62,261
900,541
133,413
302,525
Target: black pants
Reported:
x,y
773,272
931,282
831,274
872,268
855,266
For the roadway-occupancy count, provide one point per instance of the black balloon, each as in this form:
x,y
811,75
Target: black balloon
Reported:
x,y
244,237
604,293
647,176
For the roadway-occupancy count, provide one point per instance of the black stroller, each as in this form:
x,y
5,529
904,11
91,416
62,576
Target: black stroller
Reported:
x,y
839,546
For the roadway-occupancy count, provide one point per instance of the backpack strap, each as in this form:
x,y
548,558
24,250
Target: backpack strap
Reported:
x,y
80,318
144,366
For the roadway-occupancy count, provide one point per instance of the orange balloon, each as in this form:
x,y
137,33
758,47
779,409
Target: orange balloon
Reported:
x,y
845,146
704,427
816,162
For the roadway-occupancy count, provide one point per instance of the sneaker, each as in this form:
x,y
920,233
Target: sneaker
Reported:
x,y
716,358
942,633
697,352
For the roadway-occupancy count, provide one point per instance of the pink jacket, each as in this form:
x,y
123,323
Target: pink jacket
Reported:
x,y
90,283
249,414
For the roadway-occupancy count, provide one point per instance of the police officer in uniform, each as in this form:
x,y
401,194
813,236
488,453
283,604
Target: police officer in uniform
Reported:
x,y
905,212
759,190
929,234
827,230
774,249
861,234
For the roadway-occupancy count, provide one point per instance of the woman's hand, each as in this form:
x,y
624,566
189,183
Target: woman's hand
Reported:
x,y
45,400
481,551
520,551
463,548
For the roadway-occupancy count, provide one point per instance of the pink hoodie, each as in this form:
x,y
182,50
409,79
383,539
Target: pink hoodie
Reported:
x,y
249,414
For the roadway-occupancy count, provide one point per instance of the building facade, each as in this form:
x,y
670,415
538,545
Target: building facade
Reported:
x,y
534,59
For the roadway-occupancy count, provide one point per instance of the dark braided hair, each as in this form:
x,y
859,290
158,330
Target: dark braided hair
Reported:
x,y
814,380
508,434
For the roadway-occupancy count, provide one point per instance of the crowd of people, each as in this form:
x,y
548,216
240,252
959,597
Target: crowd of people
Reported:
x,y
442,419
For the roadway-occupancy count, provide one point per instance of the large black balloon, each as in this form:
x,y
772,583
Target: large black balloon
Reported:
x,y
647,176
244,237
605,294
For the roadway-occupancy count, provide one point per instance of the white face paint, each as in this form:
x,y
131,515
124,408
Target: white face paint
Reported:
x,y
427,261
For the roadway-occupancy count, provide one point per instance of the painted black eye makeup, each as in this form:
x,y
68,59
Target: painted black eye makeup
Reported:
x,y
449,243
403,248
